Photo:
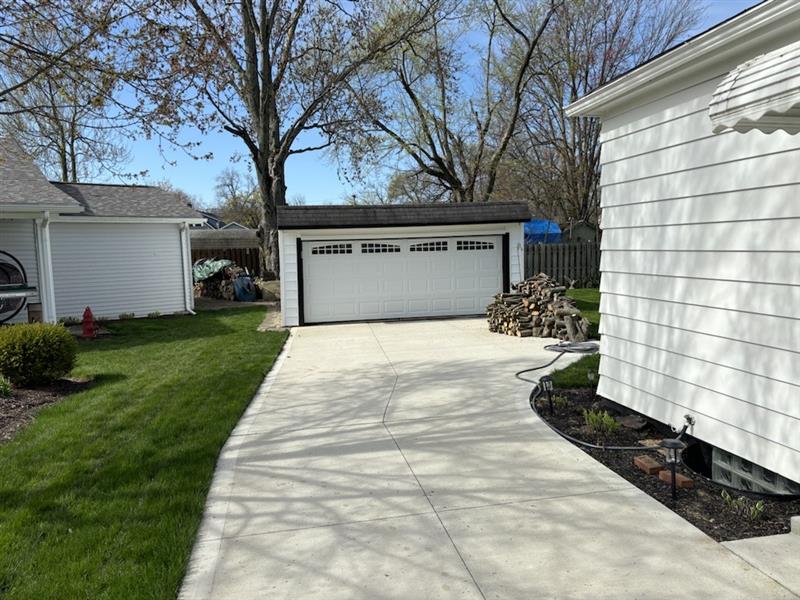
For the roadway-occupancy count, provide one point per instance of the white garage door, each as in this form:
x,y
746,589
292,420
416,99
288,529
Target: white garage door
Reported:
x,y
348,280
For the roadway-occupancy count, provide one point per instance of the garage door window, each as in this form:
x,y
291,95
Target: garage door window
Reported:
x,y
429,247
473,245
333,249
377,248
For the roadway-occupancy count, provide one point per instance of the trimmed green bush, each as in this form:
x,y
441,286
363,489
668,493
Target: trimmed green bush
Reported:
x,y
36,353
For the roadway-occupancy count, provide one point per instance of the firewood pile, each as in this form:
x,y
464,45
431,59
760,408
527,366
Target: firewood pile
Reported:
x,y
537,307
219,285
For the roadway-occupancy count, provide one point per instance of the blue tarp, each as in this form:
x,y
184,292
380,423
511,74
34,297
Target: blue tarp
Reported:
x,y
542,231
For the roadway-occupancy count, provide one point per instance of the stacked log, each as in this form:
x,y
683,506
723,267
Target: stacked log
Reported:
x,y
537,307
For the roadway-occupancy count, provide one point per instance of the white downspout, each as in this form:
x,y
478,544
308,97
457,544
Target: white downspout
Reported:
x,y
186,256
47,294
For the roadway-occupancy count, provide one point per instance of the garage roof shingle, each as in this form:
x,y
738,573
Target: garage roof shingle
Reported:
x,y
110,200
401,215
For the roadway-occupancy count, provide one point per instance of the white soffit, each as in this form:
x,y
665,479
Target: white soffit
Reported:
x,y
763,94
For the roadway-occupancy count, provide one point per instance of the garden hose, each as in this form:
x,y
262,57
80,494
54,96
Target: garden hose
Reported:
x,y
590,348
562,349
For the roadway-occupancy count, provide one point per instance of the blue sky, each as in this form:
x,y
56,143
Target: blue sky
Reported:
x,y
309,175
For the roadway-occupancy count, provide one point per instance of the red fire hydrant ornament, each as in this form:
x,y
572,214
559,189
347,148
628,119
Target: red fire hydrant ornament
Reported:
x,y
89,326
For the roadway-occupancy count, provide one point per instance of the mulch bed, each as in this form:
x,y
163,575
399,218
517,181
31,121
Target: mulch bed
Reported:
x,y
701,505
20,409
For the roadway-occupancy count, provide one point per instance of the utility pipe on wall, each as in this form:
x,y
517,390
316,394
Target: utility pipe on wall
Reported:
x,y
45,264
186,256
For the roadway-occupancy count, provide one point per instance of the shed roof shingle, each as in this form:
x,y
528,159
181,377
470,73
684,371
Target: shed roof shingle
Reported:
x,y
23,185
110,200
403,215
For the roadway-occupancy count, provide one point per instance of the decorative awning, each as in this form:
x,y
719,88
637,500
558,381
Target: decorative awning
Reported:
x,y
763,94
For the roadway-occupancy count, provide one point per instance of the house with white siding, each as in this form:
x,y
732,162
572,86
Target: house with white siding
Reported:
x,y
701,238
115,248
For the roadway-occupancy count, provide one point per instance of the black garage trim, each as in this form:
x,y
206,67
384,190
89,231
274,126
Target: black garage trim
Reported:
x,y
506,262
301,301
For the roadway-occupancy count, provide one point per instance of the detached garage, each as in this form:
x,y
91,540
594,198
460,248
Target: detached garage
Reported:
x,y
359,263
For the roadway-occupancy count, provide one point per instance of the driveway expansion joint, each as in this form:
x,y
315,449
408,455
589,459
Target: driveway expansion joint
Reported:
x,y
411,470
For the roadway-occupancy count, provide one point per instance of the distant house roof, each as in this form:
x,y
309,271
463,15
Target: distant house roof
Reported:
x,y
401,215
213,220
233,225
22,184
110,200
581,223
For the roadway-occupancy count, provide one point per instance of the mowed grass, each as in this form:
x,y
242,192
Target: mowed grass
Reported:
x,y
101,497
583,373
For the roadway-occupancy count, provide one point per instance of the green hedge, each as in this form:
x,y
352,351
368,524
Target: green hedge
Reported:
x,y
36,353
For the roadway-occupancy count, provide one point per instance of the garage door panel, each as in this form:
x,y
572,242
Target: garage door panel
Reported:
x,y
391,278
487,283
441,267
442,305
440,284
486,263
466,283
466,304
393,308
394,286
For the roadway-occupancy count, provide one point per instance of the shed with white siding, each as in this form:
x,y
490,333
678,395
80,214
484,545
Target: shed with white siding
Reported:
x,y
115,248
701,246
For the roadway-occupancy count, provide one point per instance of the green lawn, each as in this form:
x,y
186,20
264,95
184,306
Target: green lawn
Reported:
x,y
583,373
102,495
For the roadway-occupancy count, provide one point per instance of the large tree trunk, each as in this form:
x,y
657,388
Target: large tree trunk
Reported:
x,y
272,186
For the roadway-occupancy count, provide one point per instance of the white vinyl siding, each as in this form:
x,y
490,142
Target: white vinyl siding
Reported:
x,y
701,276
287,240
117,268
18,237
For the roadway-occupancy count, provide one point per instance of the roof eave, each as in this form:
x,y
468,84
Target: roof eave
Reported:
x,y
714,46
298,227
125,219
41,208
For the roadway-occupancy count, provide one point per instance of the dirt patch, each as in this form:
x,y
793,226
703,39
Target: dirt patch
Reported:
x,y
702,505
20,409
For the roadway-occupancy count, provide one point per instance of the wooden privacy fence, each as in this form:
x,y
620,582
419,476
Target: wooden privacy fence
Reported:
x,y
577,262
247,258
238,245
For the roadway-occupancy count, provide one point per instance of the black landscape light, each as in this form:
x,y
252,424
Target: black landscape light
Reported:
x,y
674,447
547,385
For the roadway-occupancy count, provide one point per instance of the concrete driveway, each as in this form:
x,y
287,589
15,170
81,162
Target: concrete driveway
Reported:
x,y
401,460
